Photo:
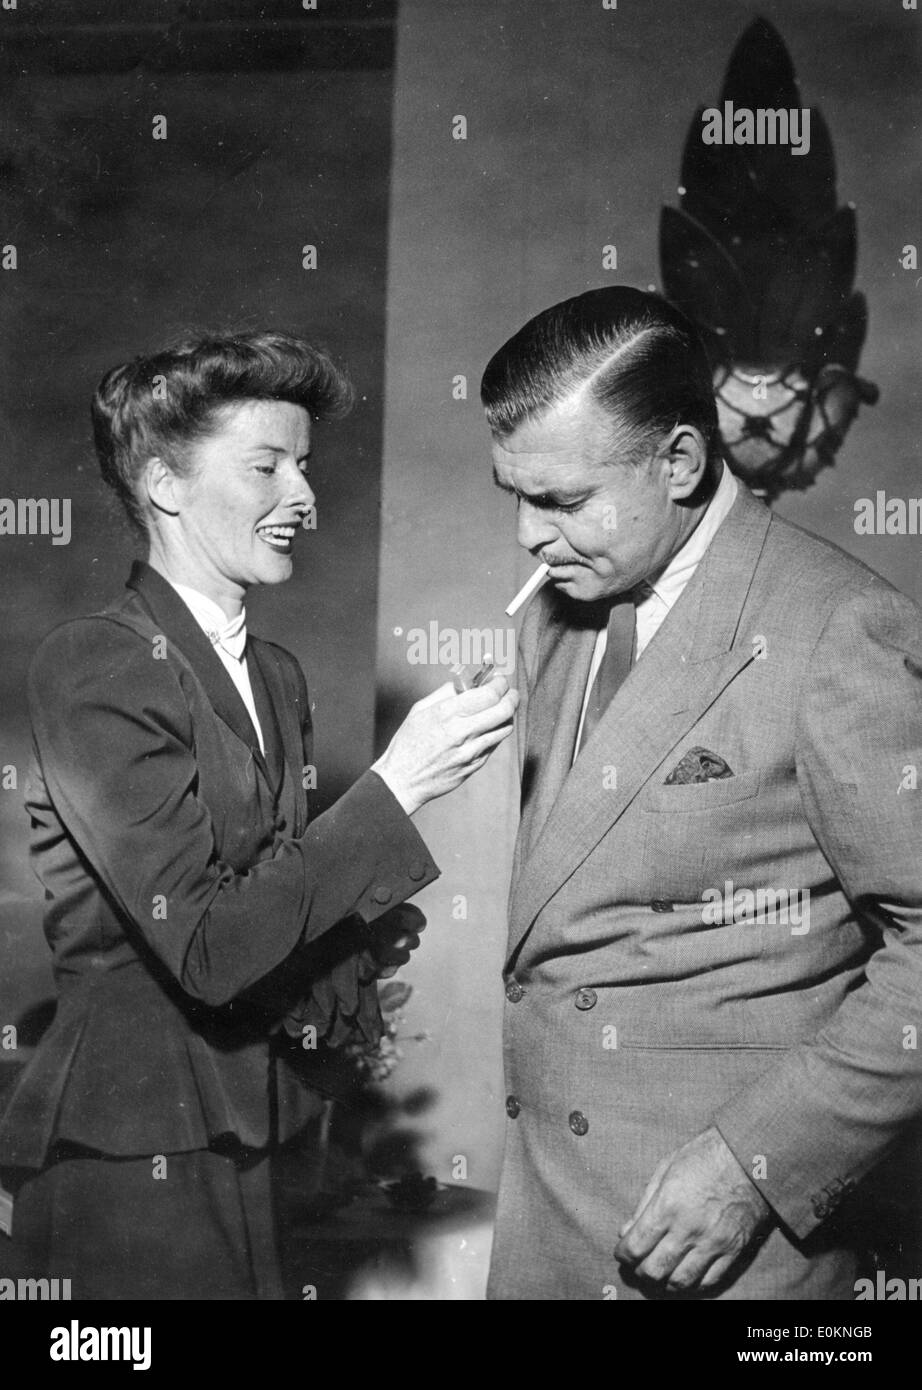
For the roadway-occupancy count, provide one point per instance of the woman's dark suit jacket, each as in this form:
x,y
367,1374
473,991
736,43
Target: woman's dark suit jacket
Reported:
x,y
192,905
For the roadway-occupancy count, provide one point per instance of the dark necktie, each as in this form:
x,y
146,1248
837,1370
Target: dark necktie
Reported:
x,y
615,665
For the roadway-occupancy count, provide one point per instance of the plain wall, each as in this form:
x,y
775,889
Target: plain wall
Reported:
x,y
576,121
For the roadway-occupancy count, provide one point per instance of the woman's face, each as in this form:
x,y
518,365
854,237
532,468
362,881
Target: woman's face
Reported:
x,y
232,521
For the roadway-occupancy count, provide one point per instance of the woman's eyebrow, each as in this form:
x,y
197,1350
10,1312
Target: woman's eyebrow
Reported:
x,y
274,449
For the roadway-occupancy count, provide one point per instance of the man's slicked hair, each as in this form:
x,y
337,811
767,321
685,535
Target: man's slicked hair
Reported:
x,y
156,406
633,353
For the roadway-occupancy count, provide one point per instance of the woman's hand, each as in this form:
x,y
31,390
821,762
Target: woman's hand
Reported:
x,y
444,739
392,937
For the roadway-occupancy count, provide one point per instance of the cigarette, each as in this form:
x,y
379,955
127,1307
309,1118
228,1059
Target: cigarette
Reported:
x,y
526,591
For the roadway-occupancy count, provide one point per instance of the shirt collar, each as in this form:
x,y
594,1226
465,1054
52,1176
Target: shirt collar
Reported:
x,y
227,633
669,584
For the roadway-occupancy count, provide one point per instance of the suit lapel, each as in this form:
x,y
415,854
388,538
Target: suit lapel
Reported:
x,y
554,706
260,667
682,672
284,707
177,624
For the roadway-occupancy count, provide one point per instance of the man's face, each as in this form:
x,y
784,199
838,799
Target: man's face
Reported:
x,y
601,524
240,509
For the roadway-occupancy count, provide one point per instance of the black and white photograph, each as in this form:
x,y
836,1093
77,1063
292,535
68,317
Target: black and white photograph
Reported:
x,y
461,724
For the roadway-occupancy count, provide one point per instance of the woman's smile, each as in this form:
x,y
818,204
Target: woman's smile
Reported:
x,y
277,537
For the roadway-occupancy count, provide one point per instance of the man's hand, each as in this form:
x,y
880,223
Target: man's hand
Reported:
x,y
392,937
696,1217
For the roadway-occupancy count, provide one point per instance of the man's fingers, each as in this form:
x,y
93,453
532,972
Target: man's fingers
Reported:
x,y
689,1272
664,1258
718,1269
643,1236
648,1192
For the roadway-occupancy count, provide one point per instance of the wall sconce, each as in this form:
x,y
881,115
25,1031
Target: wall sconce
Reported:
x,y
762,259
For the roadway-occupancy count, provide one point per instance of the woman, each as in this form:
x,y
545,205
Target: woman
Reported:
x,y
197,914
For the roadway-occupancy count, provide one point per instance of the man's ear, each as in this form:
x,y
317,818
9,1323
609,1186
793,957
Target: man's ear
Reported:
x,y
686,455
160,486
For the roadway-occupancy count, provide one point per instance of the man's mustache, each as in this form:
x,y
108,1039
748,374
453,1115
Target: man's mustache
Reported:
x,y
561,560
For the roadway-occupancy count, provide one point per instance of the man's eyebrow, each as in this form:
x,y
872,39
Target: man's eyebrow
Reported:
x,y
548,496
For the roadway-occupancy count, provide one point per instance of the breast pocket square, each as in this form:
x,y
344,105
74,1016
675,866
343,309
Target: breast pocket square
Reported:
x,y
698,765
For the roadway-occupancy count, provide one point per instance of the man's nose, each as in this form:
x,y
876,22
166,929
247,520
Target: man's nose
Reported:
x,y
534,529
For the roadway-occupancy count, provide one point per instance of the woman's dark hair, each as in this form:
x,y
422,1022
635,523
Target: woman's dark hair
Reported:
x,y
159,405
638,357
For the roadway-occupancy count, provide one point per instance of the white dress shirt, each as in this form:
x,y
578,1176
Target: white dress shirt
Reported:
x,y
655,597
228,636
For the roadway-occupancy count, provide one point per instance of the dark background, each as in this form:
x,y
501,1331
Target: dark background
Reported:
x,y
278,135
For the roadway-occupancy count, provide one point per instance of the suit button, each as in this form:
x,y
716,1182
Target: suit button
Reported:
x,y
586,998
820,1208
660,905
578,1123
514,991
417,870
382,894
512,1107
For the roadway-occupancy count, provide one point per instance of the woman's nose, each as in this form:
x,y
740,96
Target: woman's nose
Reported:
x,y
297,490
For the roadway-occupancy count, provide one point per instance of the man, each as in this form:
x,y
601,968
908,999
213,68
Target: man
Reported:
x,y
714,972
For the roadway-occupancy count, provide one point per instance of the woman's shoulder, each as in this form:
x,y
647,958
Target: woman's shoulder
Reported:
x,y
114,648
117,626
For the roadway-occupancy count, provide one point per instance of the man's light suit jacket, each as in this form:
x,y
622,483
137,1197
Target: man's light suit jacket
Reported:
x,y
660,978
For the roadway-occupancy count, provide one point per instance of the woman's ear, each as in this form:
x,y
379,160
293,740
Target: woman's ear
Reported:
x,y
687,457
159,482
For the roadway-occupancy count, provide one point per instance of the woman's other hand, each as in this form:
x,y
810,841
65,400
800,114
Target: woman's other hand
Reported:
x,y
393,936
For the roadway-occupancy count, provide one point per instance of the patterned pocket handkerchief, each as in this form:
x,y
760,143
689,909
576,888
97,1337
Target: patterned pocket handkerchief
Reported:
x,y
698,765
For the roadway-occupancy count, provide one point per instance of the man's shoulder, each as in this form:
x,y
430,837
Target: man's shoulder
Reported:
x,y
815,574
808,590
788,543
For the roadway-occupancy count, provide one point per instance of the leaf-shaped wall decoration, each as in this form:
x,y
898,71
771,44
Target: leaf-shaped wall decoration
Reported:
x,y
762,259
